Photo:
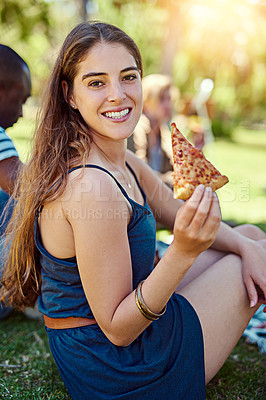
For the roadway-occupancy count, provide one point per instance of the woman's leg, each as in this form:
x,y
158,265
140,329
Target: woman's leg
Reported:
x,y
251,231
220,299
210,256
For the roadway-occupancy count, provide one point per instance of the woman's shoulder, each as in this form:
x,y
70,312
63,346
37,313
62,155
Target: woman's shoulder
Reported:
x,y
89,180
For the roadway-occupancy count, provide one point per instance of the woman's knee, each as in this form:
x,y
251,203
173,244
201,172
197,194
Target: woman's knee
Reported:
x,y
251,231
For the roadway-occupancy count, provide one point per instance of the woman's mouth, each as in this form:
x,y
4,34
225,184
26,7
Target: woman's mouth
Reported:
x,y
117,114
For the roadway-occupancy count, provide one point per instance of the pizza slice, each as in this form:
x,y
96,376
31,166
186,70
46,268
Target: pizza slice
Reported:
x,y
191,168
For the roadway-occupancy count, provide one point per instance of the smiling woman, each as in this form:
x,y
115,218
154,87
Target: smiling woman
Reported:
x,y
107,92
82,238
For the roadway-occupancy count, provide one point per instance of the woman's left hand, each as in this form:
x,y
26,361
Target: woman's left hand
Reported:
x,y
253,255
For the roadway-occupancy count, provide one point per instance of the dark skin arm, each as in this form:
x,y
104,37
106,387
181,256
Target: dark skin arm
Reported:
x,y
8,173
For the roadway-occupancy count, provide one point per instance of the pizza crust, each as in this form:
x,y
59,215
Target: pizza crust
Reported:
x,y
183,192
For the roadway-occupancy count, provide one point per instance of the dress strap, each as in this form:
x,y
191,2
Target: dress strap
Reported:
x,y
105,170
136,179
102,169
109,173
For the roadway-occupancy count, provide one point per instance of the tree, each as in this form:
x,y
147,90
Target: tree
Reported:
x,y
26,16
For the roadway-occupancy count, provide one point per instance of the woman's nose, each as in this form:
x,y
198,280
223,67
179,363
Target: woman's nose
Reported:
x,y
116,93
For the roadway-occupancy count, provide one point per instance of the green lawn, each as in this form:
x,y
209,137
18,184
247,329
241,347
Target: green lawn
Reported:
x,y
27,369
243,160
28,372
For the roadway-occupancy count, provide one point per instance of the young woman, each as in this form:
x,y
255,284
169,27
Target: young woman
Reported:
x,y
83,239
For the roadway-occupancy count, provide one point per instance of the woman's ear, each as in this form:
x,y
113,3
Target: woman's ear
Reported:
x,y
68,98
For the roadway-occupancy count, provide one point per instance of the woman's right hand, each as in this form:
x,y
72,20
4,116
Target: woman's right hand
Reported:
x,y
197,223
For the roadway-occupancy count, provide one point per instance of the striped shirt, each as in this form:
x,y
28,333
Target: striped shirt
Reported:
x,y
7,148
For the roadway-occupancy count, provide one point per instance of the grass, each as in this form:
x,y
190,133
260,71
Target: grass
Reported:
x,y
27,369
242,377
243,160
28,372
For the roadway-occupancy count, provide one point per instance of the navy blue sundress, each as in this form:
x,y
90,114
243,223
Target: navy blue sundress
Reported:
x,y
166,361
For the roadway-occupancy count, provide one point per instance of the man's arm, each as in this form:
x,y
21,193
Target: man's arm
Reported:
x,y
8,172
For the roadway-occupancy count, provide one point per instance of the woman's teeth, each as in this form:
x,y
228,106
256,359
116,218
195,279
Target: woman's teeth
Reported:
x,y
117,115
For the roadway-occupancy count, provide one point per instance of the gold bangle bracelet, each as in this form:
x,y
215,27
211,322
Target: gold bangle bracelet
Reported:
x,y
140,309
143,307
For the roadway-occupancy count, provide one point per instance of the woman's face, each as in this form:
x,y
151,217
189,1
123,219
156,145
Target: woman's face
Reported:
x,y
107,91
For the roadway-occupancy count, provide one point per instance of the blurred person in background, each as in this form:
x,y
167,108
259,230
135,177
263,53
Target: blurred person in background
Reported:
x,y
196,113
15,88
151,140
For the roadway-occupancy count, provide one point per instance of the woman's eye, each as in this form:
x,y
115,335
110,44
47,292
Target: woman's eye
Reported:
x,y
130,77
96,84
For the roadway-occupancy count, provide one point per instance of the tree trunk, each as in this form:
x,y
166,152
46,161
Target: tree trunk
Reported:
x,y
172,39
84,13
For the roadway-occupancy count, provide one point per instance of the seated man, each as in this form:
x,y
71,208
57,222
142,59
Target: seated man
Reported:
x,y
15,88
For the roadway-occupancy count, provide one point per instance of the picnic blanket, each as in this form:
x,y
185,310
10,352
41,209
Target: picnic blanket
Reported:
x,y
256,330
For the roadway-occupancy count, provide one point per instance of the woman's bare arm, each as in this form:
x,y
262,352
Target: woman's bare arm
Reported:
x,y
228,240
104,258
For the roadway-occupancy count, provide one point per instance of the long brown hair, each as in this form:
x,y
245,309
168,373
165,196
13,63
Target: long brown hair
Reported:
x,y
61,140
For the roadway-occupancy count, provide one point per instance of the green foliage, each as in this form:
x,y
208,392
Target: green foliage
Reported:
x,y
222,126
224,41
144,22
26,16
27,27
